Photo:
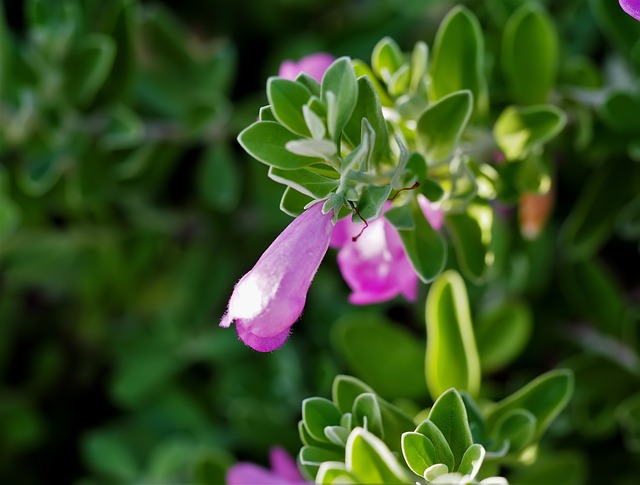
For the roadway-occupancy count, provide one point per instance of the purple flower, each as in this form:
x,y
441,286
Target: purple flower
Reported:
x,y
376,267
269,299
632,7
283,471
313,65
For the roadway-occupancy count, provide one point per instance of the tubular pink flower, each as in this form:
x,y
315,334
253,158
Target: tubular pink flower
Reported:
x,y
283,471
376,267
269,299
313,65
632,7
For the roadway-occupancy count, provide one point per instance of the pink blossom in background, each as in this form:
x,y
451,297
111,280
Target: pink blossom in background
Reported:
x,y
632,7
284,471
375,266
269,299
313,65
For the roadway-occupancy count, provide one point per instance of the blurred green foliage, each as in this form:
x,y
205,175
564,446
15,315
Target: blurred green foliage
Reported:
x,y
127,212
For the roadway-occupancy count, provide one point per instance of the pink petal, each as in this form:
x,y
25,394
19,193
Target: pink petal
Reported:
x,y
431,211
284,466
314,65
268,300
632,7
251,474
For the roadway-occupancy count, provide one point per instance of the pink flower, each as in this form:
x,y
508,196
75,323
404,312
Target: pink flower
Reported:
x,y
375,267
269,299
283,471
632,7
313,65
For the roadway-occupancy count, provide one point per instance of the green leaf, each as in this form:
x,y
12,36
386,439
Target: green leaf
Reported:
x,y
332,472
317,413
401,217
345,389
209,466
323,149
621,111
470,232
572,466
434,472
544,398
394,377
125,129
340,81
363,70
294,202
287,99
450,416
418,452
451,358
434,435
368,106
621,29
519,130
530,54
9,211
472,461
593,217
386,58
517,427
371,461
107,454
88,66
442,123
367,415
458,59
219,180
312,455
372,202
266,141
39,173
595,294
305,181
425,247
169,459
419,67
502,333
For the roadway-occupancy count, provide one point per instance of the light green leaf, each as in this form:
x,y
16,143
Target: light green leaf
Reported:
x,y
340,81
334,472
458,59
368,106
419,67
450,416
345,389
451,358
371,461
444,454
287,99
266,141
323,149
502,333
366,414
530,54
440,126
317,413
418,452
518,130
386,58
472,461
